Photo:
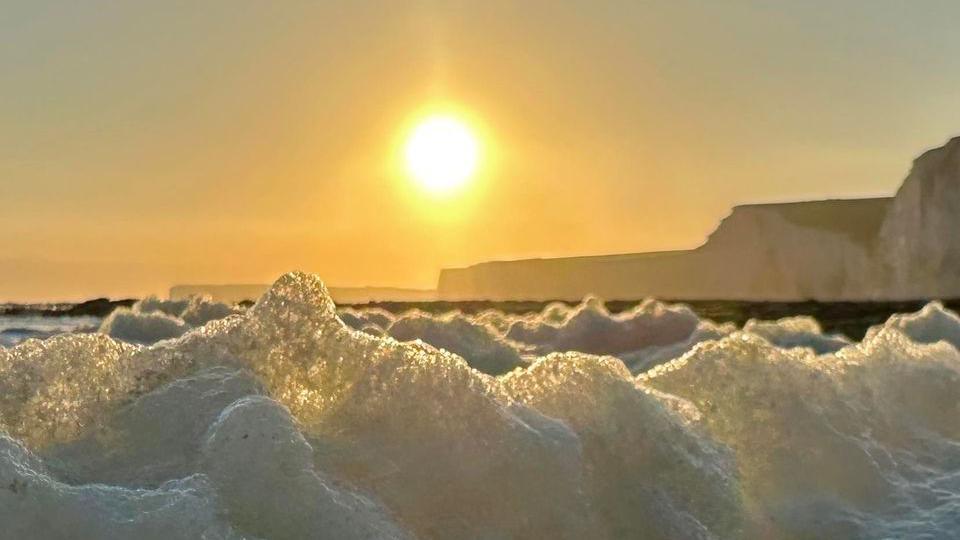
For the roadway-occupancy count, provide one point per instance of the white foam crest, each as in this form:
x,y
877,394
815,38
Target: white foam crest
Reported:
x,y
643,359
52,389
650,474
35,505
151,319
495,319
201,310
154,438
264,472
591,328
363,318
478,344
800,331
154,304
931,324
837,445
144,328
449,436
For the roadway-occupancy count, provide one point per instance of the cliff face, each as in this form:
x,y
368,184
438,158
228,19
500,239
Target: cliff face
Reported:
x,y
919,244
807,250
904,247
765,251
665,274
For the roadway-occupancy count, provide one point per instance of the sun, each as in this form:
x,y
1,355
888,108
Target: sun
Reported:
x,y
441,153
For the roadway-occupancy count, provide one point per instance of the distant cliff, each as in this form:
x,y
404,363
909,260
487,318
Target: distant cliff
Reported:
x,y
907,246
787,251
821,250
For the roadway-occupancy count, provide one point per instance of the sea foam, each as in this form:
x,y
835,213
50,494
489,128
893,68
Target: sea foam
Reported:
x,y
282,421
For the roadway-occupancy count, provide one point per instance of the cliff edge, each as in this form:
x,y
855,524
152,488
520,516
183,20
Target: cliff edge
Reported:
x,y
898,247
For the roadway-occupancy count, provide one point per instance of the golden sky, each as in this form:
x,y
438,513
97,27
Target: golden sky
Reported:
x,y
144,144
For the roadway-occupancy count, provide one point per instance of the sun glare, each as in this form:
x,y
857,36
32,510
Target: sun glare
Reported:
x,y
441,153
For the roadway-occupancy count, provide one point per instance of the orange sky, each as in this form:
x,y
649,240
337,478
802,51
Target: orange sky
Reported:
x,y
170,142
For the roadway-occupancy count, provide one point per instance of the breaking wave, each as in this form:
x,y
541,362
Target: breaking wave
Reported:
x,y
288,420
151,320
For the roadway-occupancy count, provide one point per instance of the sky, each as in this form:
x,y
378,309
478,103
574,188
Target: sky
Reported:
x,y
145,144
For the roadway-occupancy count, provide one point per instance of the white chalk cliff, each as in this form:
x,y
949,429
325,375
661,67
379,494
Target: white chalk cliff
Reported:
x,y
920,238
852,249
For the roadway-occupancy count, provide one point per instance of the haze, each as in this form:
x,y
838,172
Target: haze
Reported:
x,y
163,142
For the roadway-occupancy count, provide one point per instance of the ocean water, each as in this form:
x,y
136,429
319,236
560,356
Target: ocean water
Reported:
x,y
16,328
294,419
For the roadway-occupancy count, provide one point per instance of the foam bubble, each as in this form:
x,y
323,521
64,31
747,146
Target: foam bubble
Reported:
x,y
283,422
